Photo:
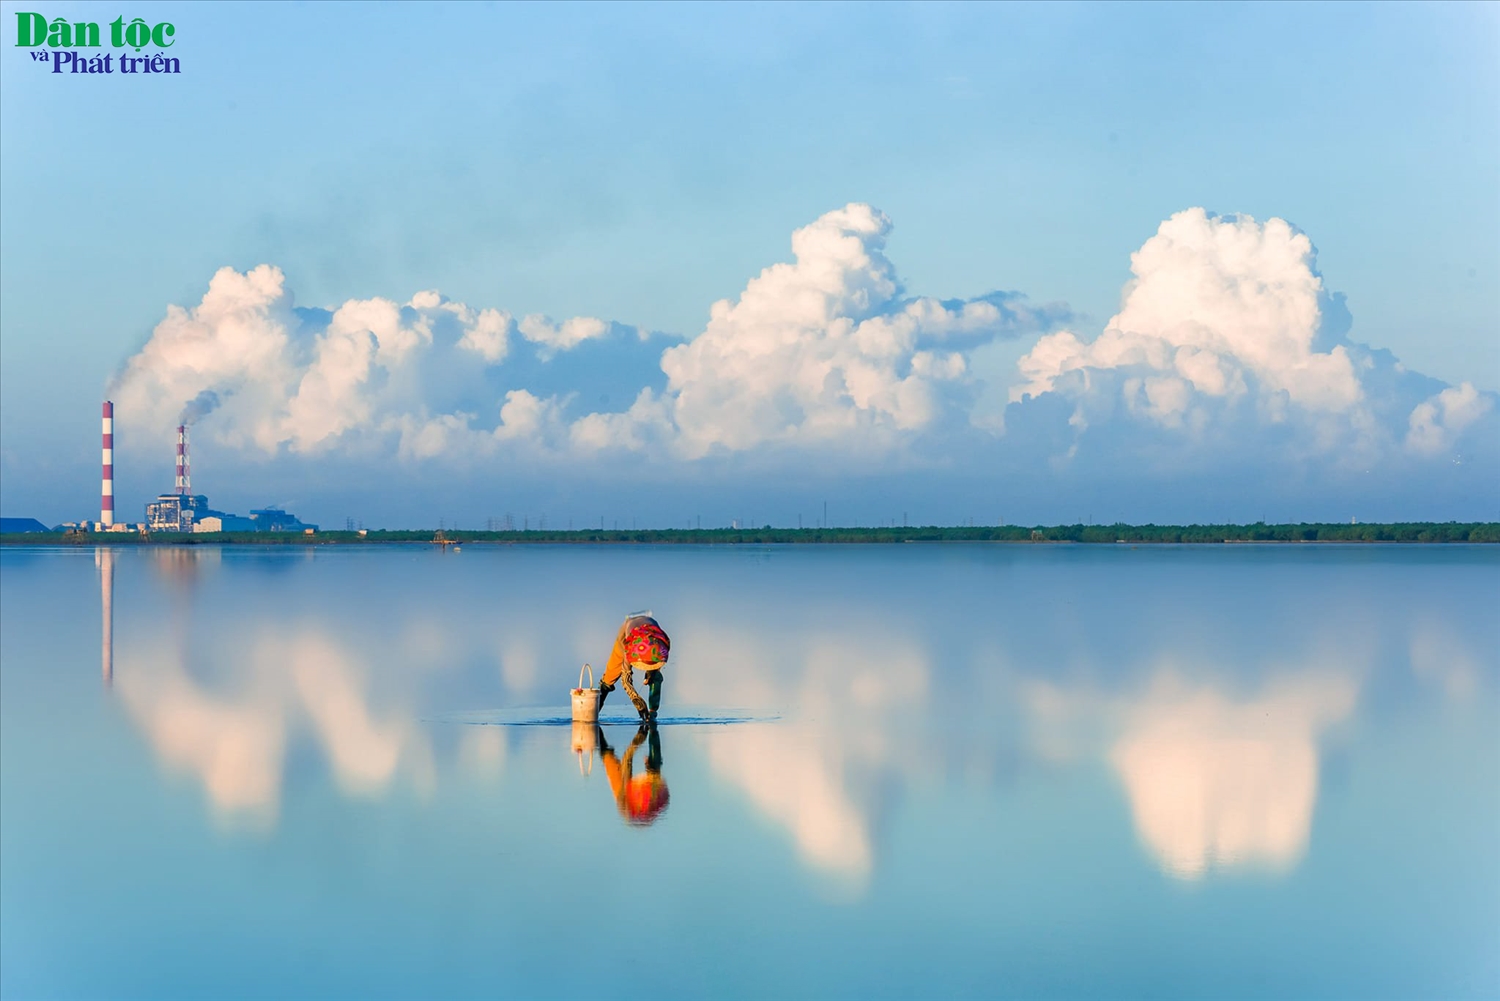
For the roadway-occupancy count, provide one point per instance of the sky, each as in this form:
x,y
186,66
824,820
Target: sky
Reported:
x,y
667,265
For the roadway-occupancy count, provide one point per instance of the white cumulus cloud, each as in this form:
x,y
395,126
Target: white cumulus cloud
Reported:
x,y
562,336
1213,301
368,372
487,334
1228,342
1227,348
1436,423
826,348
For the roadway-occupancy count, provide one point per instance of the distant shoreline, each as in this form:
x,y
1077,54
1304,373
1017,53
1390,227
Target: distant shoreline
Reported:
x,y
1400,532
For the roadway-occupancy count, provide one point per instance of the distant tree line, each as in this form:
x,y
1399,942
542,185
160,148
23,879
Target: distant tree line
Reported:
x,y
1417,531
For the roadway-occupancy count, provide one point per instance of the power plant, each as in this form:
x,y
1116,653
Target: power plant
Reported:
x,y
181,510
184,511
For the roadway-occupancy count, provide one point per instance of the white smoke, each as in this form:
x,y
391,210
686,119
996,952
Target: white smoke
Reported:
x,y
375,370
237,339
199,407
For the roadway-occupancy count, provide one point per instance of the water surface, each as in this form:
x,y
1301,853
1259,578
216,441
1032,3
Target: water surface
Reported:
x,y
910,770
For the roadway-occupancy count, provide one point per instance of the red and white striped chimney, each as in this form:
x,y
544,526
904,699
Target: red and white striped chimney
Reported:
x,y
107,487
184,476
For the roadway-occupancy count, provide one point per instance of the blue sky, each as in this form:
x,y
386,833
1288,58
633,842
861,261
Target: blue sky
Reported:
x,y
637,164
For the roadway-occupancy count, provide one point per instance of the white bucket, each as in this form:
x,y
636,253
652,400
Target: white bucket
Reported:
x,y
585,700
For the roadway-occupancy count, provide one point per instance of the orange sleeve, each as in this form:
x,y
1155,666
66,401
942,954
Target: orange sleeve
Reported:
x,y
615,666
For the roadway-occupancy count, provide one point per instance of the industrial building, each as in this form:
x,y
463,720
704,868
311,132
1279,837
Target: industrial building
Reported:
x,y
181,510
184,511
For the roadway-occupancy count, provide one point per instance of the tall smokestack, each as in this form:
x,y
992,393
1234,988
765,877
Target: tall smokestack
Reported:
x,y
184,475
107,485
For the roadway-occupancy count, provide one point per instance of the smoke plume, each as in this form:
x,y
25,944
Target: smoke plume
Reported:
x,y
199,407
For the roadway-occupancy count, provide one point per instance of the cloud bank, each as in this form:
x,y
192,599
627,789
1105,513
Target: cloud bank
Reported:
x,y
1227,325
1228,353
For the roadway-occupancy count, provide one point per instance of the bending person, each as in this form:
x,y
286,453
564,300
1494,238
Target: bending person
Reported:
x,y
641,643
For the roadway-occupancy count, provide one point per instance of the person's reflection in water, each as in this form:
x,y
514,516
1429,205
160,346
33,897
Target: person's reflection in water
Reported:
x,y
640,798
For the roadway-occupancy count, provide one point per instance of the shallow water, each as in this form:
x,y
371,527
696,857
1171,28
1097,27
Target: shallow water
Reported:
x,y
913,770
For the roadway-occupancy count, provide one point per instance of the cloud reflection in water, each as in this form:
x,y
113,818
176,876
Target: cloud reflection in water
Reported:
x,y
1214,780
235,743
1218,759
818,773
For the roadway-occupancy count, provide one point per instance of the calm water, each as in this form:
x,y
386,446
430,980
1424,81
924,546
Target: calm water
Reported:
x,y
968,770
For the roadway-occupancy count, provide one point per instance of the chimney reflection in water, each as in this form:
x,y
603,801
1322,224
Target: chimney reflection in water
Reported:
x,y
104,559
